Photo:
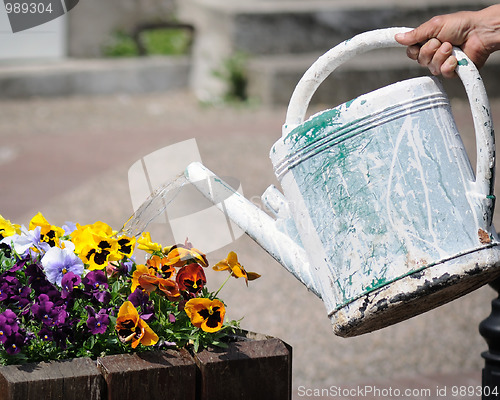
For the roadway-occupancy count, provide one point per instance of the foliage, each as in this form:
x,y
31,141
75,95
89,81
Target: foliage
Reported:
x,y
77,290
166,41
121,45
160,41
235,76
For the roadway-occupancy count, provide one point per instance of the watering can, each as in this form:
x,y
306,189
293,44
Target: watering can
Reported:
x,y
381,214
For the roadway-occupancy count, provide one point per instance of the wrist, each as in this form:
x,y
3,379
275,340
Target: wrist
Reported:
x,y
488,24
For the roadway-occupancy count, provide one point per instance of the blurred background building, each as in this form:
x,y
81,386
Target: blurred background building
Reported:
x,y
256,48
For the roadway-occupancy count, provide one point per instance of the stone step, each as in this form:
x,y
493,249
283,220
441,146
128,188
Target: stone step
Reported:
x,y
272,79
94,77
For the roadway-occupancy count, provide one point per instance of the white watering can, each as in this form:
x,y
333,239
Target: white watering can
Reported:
x,y
381,215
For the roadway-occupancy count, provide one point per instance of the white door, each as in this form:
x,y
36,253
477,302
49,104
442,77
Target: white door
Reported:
x,y
46,41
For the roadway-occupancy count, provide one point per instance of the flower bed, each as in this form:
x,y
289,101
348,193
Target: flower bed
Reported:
x,y
251,367
78,291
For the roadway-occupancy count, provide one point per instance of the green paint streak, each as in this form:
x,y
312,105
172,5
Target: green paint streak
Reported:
x,y
348,104
376,283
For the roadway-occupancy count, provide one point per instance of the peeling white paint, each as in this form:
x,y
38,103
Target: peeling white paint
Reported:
x,y
381,193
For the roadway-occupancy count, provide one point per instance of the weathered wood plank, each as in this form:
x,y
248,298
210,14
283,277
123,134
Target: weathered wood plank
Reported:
x,y
76,379
150,375
246,370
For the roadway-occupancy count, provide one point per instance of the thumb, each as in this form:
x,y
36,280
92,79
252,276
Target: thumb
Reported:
x,y
423,33
408,38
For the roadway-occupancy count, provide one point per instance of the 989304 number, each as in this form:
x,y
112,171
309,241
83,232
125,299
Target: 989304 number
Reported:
x,y
28,8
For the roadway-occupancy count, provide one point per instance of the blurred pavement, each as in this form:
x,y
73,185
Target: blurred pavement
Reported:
x,y
69,158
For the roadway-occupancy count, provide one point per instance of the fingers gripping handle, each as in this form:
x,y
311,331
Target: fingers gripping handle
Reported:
x,y
384,38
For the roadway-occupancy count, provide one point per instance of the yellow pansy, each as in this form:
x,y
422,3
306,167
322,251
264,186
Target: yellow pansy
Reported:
x,y
7,228
145,243
48,233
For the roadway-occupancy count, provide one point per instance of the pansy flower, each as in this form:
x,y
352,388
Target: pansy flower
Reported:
x,y
97,322
95,245
9,285
99,251
49,233
28,242
145,243
237,270
138,298
45,334
206,314
96,283
69,227
141,299
57,262
144,278
159,264
45,311
179,256
126,245
191,278
7,228
132,328
21,300
98,227
14,343
37,278
170,288
69,283
8,325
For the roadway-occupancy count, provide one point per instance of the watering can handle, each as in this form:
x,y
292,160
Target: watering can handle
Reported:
x,y
384,38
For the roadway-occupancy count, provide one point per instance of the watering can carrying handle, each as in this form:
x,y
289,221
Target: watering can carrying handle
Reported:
x,y
384,38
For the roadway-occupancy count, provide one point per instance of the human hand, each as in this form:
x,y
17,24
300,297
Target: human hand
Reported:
x,y
431,44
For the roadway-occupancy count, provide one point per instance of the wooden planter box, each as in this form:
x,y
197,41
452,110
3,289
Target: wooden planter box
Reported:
x,y
252,367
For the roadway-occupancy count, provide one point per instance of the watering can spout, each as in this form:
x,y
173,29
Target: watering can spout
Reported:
x,y
278,236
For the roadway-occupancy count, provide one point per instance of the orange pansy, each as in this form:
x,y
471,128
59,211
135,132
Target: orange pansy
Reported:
x,y
191,278
160,265
180,256
206,314
237,270
131,327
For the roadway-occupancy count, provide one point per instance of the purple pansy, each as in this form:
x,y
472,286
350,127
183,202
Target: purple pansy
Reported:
x,y
69,283
6,290
22,299
37,279
141,299
45,334
96,284
8,325
14,343
46,311
97,322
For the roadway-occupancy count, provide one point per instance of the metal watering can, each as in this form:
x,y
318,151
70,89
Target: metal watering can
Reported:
x,y
381,216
